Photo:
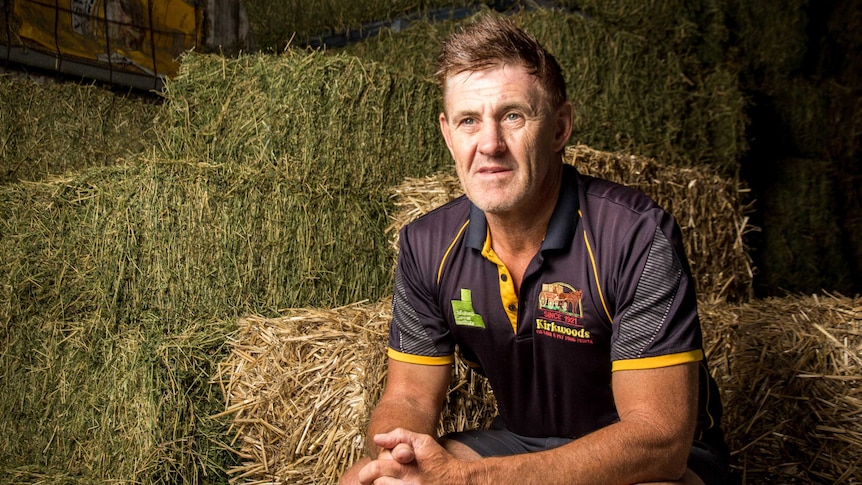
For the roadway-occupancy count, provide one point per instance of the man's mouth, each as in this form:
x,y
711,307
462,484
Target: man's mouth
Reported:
x,y
492,170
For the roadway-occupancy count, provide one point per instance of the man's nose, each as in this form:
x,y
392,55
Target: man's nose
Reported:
x,y
491,141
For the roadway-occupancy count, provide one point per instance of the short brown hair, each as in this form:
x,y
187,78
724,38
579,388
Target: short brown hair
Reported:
x,y
491,41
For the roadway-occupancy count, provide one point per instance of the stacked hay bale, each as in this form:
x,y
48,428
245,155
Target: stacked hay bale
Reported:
x,y
118,285
800,65
276,25
335,124
268,188
50,128
630,92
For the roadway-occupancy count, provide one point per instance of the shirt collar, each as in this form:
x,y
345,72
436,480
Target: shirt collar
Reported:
x,y
563,221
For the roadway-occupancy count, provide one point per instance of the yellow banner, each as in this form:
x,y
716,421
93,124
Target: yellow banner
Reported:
x,y
134,35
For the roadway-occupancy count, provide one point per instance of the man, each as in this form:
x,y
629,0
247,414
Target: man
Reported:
x,y
572,295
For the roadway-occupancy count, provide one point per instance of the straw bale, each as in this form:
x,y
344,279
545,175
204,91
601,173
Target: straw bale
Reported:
x,y
789,370
334,123
630,92
707,207
300,388
50,128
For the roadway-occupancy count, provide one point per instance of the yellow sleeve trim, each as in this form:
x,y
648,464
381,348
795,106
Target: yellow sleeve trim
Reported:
x,y
420,359
656,362
449,249
596,273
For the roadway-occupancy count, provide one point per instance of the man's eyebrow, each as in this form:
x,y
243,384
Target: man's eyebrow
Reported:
x,y
519,106
504,108
465,113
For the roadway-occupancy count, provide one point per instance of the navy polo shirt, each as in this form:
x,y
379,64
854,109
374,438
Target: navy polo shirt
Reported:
x,y
609,289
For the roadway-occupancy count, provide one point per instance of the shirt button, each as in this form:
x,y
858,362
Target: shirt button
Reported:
x,y
512,308
503,277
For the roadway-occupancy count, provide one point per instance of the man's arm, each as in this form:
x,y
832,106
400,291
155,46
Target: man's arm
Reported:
x,y
413,399
650,442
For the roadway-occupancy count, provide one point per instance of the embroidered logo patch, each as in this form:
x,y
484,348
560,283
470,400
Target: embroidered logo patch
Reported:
x,y
561,309
561,298
464,313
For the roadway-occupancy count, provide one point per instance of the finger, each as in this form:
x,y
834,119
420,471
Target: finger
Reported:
x,y
384,454
403,453
388,481
377,469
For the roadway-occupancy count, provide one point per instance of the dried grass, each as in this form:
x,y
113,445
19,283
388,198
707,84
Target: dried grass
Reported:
x,y
52,128
86,400
307,380
108,280
299,389
789,370
334,124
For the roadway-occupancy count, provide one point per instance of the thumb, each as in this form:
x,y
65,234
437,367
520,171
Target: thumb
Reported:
x,y
398,435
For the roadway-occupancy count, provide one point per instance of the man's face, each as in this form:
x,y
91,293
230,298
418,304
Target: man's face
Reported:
x,y
504,137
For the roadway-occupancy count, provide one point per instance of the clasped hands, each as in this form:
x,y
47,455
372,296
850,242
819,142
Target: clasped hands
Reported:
x,y
409,458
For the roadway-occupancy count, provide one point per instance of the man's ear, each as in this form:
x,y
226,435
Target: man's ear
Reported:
x,y
444,128
564,124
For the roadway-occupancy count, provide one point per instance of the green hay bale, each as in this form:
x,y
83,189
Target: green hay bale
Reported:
x,y
184,239
331,122
629,93
51,128
86,400
108,282
822,118
805,245
276,24
411,51
769,38
683,23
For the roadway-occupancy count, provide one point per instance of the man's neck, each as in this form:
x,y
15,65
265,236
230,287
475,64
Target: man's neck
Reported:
x,y
522,230
516,238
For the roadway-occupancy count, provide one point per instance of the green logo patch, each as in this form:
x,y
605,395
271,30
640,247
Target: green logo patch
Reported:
x,y
463,309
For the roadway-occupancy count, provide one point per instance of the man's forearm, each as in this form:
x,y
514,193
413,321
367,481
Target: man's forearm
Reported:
x,y
412,399
619,453
391,414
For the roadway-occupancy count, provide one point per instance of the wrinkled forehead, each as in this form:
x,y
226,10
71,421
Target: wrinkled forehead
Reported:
x,y
511,81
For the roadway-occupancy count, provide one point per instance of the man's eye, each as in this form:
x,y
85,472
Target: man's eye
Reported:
x,y
513,117
468,121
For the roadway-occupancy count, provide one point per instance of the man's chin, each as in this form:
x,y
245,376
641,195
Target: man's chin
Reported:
x,y
494,206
